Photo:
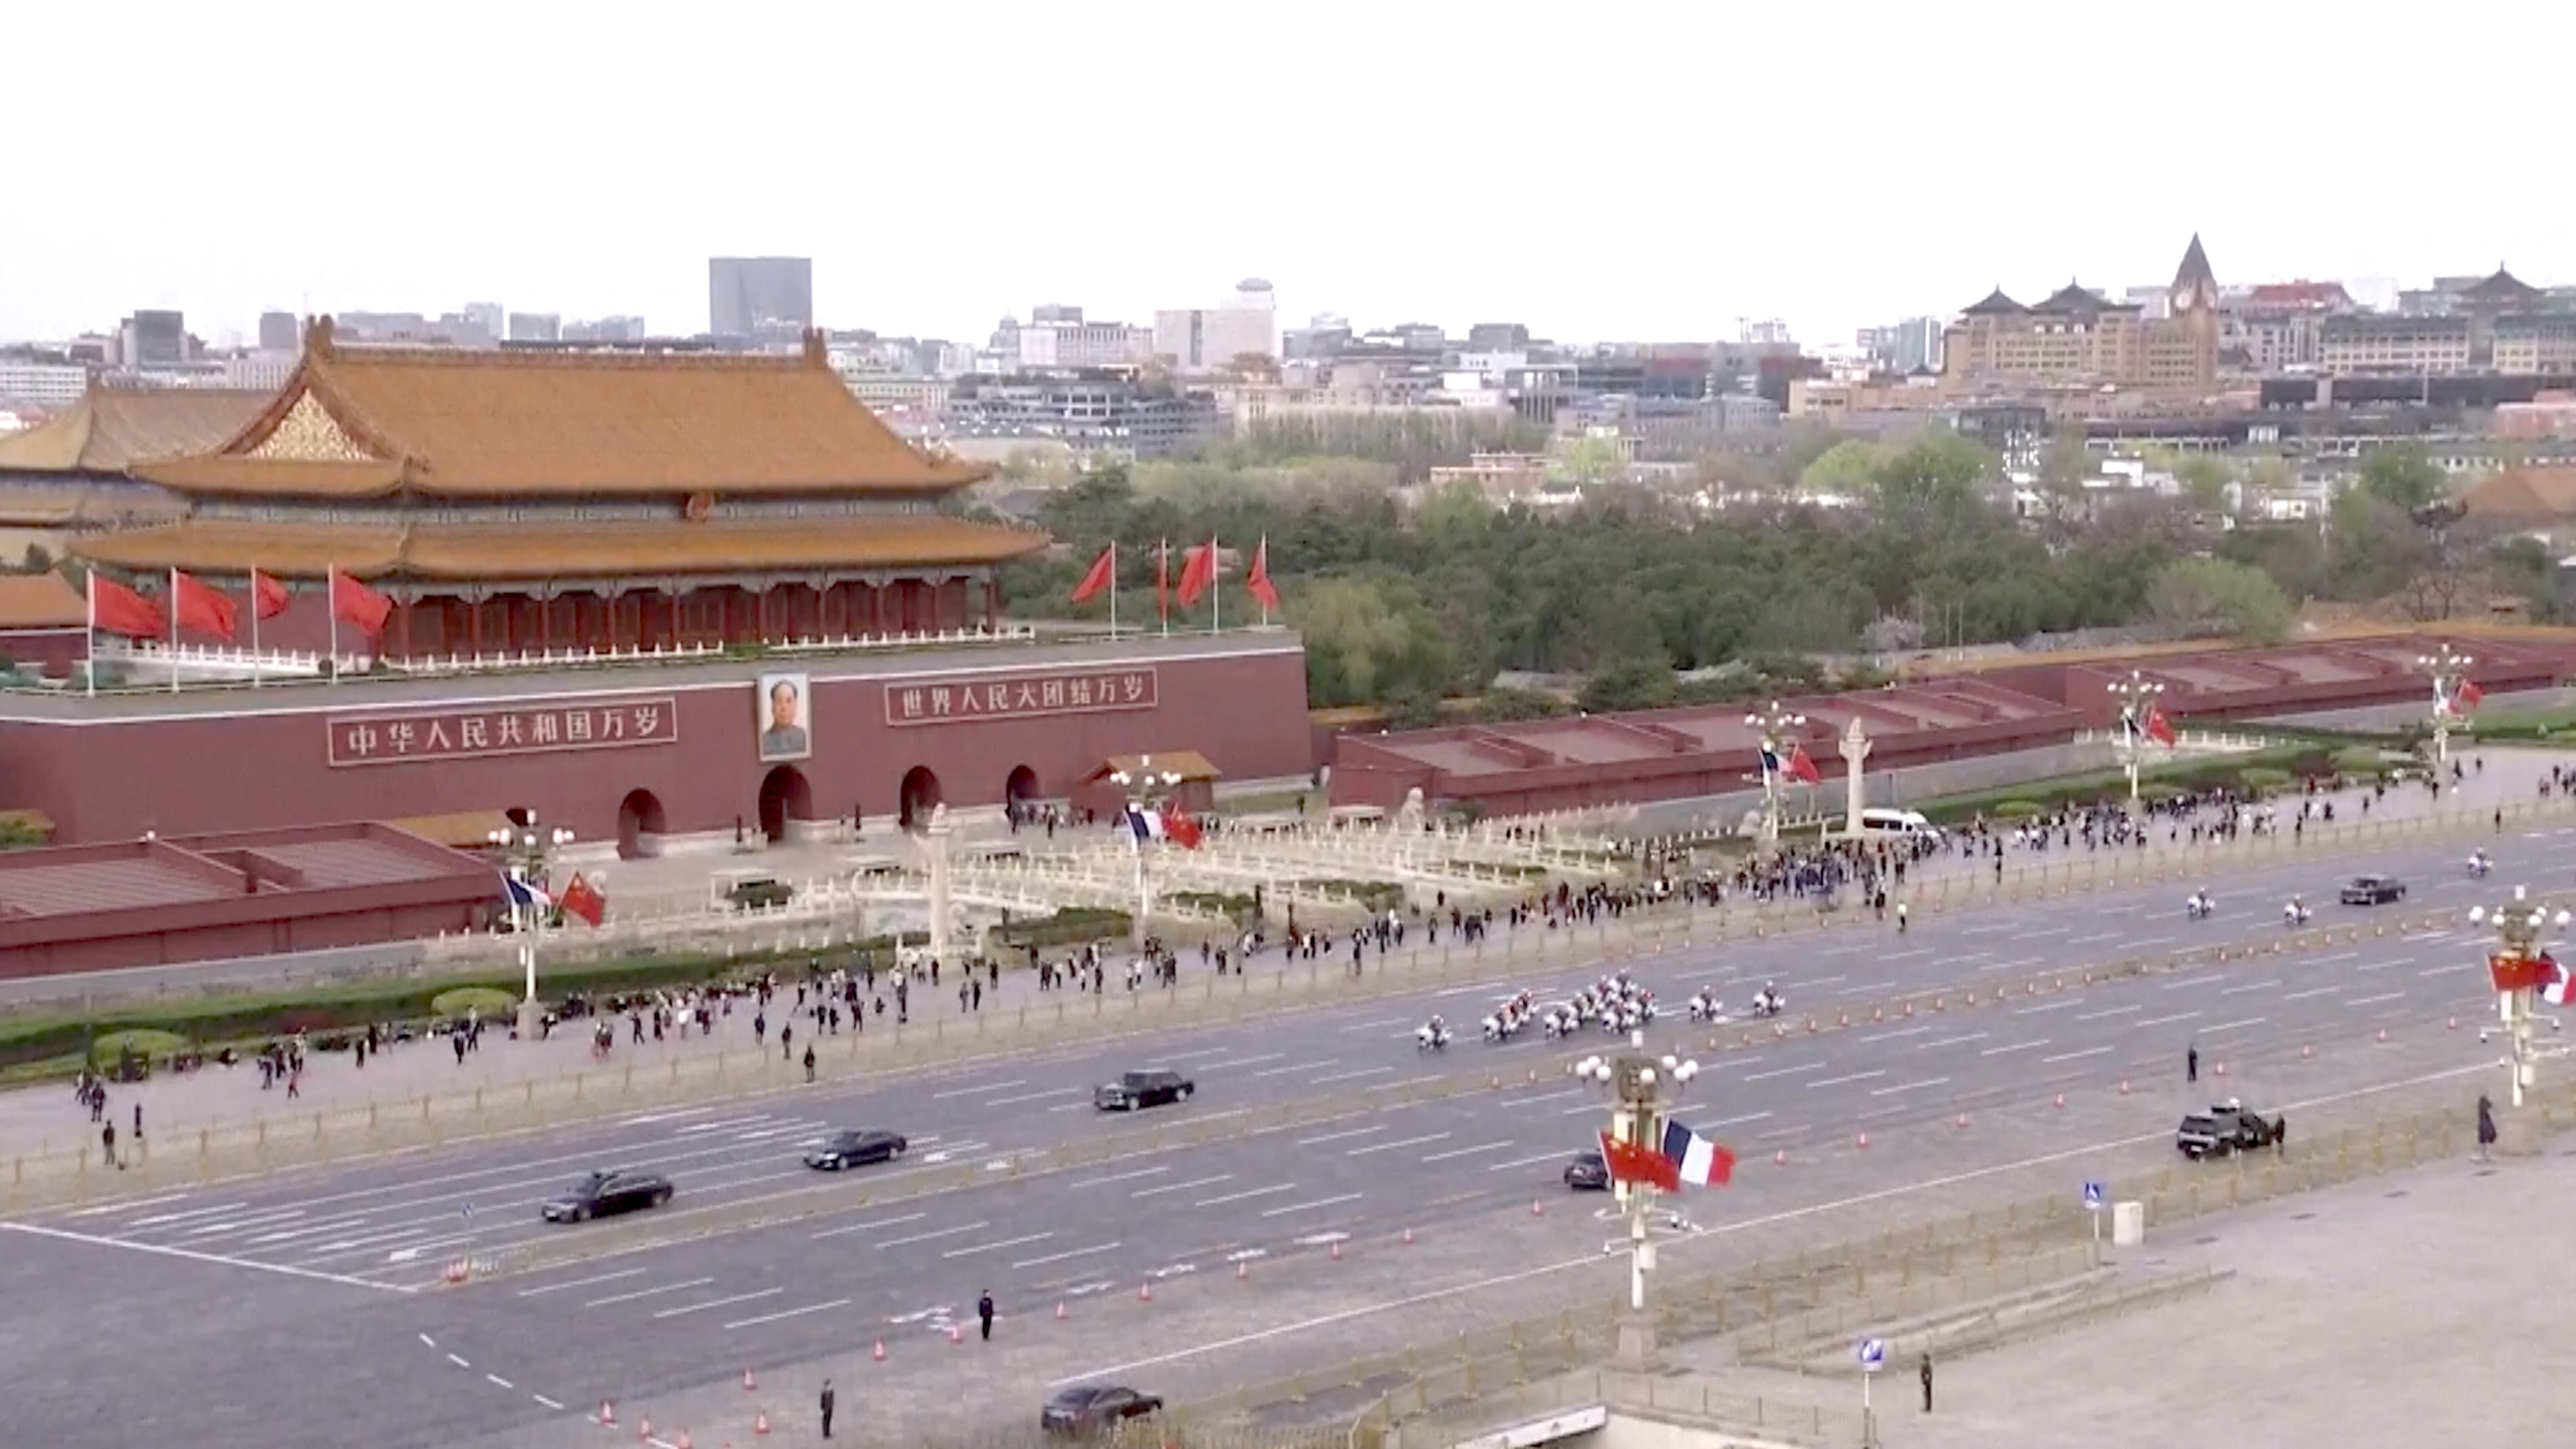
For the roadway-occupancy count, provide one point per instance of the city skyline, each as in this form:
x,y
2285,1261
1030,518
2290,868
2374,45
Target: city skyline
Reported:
x,y
1817,204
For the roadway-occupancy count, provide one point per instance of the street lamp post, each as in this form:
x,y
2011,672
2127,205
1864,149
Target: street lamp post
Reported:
x,y
1642,1088
1777,728
1143,787
2137,695
2449,669
526,853
2516,966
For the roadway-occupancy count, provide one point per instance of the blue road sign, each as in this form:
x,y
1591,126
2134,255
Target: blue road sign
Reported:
x,y
2093,1197
1872,1355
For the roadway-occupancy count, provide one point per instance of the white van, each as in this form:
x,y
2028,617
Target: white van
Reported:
x,y
1896,822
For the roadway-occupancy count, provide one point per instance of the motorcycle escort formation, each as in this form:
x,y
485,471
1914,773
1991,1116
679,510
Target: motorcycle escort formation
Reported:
x,y
2200,905
1433,1036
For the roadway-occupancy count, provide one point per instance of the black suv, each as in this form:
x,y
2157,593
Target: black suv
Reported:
x,y
1134,1091
2372,890
2225,1128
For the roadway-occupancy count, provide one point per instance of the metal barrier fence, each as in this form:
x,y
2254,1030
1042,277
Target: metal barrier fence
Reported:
x,y
272,1141
1778,1305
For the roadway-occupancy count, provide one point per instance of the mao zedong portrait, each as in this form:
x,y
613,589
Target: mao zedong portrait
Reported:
x,y
783,729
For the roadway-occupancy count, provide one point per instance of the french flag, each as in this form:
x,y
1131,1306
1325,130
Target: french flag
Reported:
x,y
1698,1160
526,895
2560,988
1798,765
1146,825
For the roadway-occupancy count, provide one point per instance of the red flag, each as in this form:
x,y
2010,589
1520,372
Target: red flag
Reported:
x,y
354,603
2469,694
206,609
1801,767
2159,728
2511,972
1629,1162
583,899
1257,582
116,609
1198,572
1103,576
1163,580
268,597
1180,829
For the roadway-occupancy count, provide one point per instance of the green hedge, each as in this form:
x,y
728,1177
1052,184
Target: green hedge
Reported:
x,y
484,1001
2262,772
2017,810
1072,926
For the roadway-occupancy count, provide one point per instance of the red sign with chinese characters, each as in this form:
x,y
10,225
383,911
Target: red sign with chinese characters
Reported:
x,y
1028,696
530,727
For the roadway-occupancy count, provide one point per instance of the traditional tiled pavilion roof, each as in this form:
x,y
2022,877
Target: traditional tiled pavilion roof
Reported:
x,y
111,430
1993,304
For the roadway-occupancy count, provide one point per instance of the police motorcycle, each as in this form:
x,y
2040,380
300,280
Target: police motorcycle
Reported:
x,y
2479,865
2295,913
1508,1018
1561,1020
1432,1036
1705,1006
1768,1002
2201,905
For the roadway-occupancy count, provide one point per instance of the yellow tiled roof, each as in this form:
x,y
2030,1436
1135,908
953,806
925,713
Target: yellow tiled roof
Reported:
x,y
114,429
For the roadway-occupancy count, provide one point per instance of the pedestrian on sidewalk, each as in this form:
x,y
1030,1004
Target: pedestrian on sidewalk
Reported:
x,y
828,1401
984,1314
2486,1128
1927,1383
107,1146
2191,1063
138,1124
786,1043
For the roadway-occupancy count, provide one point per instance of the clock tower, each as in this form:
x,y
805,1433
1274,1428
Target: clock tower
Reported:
x,y
2195,286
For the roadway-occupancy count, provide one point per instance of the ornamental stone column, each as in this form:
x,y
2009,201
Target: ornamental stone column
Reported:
x,y
1856,748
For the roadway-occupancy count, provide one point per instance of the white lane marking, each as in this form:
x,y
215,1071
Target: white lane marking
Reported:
x,y
1557,1156
788,1313
2313,991
2036,1010
649,1118
459,1361
1907,955
499,1382
973,1248
1949,1041
1321,1202
1375,1025
1196,1056
547,1403
1300,1067
847,1228
1785,1072
1246,1195
2088,940
1183,1186
1397,1145
1064,1256
1032,1096
1893,1035
1123,1176
2189,982
274,1218
2073,1056
127,1207
167,1218
1349,1076
649,1292
685,1310
2337,956
427,1341
1735,1121
191,1256
2169,1020
2113,1011
933,1235
2438,971
1911,1087
1244,1061
977,1090
2234,1026
1546,1270
1524,1101
581,1283
2019,1046
2249,986
1341,1136
722,1123
1468,1151
1846,1081
2375,1000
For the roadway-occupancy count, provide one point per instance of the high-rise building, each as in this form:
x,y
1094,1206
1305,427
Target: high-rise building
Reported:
x,y
1201,339
278,332
154,339
747,296
1913,345
490,318
535,327
2080,338
605,329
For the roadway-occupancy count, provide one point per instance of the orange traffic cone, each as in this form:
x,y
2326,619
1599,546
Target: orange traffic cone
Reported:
x,y
954,1336
1963,1119
2306,1051
1242,1268
877,1351
1060,1314
760,1422
748,1382
1780,1158
644,1427
1408,1237
1864,1140
681,1441
2383,1033
1145,1291
2124,1086
1537,1209
1337,1252
2061,1101
608,1413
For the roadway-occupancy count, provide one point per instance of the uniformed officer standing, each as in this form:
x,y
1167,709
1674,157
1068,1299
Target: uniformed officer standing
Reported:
x,y
1927,1383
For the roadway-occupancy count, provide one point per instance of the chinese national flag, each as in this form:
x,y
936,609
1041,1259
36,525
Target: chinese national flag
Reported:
x,y
1629,1162
2469,694
1180,828
2159,728
1198,572
583,899
354,603
201,607
116,609
1103,576
1257,581
268,597
1802,767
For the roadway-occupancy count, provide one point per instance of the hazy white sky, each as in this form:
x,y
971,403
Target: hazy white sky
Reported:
x,y
1616,169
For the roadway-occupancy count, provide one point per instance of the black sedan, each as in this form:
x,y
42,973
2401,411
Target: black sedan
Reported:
x,y
856,1149
2373,890
1588,1173
1095,1409
606,1194
1135,1091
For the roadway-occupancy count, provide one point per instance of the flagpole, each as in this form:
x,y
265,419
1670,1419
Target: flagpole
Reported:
x,y
174,629
1162,582
1216,591
254,628
331,606
1263,556
1113,589
89,586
